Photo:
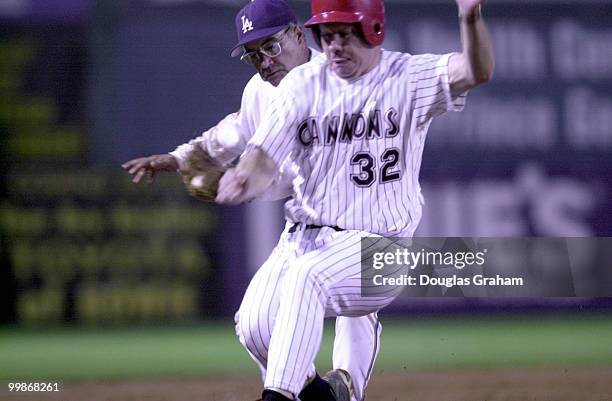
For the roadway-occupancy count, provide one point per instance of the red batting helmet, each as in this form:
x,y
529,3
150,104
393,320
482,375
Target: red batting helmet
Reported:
x,y
369,14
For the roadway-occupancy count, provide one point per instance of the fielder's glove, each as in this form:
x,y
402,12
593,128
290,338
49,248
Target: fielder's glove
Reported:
x,y
201,174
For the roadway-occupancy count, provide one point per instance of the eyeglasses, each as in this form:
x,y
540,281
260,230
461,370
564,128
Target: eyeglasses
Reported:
x,y
255,57
270,49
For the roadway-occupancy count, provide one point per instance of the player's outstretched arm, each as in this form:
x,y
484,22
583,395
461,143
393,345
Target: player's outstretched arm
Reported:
x,y
150,166
474,65
255,172
223,142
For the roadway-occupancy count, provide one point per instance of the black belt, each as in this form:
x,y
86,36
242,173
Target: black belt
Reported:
x,y
311,226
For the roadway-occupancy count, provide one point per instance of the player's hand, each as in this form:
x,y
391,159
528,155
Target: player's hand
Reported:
x,y
150,166
466,7
232,188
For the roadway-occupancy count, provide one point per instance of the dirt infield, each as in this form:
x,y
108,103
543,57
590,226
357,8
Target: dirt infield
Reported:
x,y
559,384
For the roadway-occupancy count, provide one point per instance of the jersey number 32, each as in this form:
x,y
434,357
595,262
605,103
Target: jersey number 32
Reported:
x,y
368,168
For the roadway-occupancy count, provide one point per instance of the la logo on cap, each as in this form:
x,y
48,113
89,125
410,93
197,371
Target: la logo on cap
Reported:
x,y
260,19
246,24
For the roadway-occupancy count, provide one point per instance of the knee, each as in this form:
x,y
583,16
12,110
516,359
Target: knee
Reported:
x,y
254,329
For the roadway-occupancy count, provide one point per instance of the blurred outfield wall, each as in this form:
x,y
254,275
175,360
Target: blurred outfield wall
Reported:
x,y
88,85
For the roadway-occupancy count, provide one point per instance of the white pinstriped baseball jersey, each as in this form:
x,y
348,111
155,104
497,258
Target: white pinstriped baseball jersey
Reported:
x,y
359,142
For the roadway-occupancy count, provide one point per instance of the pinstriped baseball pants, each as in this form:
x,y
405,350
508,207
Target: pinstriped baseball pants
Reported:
x,y
310,275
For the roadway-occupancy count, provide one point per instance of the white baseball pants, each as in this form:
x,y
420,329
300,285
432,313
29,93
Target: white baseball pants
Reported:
x,y
312,273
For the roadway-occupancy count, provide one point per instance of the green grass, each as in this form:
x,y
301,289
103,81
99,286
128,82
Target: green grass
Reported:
x,y
117,353
212,349
495,342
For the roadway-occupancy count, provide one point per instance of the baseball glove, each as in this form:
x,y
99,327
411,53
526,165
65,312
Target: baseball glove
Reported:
x,y
201,174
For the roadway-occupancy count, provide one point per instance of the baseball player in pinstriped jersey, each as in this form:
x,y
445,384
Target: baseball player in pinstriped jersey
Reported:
x,y
274,44
354,121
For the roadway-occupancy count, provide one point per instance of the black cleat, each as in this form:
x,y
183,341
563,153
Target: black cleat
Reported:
x,y
340,382
269,395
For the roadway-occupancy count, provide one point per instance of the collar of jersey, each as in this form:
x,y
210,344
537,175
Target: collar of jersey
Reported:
x,y
361,77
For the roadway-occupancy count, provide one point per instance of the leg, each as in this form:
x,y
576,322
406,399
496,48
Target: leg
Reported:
x,y
356,347
323,278
256,316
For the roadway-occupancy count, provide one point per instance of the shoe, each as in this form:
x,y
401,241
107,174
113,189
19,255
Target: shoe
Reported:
x,y
340,382
317,390
269,395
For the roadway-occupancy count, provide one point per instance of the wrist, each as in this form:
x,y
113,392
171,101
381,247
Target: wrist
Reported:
x,y
472,15
179,159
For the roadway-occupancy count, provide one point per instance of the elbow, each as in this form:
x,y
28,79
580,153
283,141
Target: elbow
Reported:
x,y
480,70
486,73
482,75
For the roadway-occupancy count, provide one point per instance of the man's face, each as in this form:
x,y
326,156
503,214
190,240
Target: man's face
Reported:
x,y
347,53
274,56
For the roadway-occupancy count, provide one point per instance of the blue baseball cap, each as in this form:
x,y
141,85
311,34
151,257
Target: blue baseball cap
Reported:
x,y
261,18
